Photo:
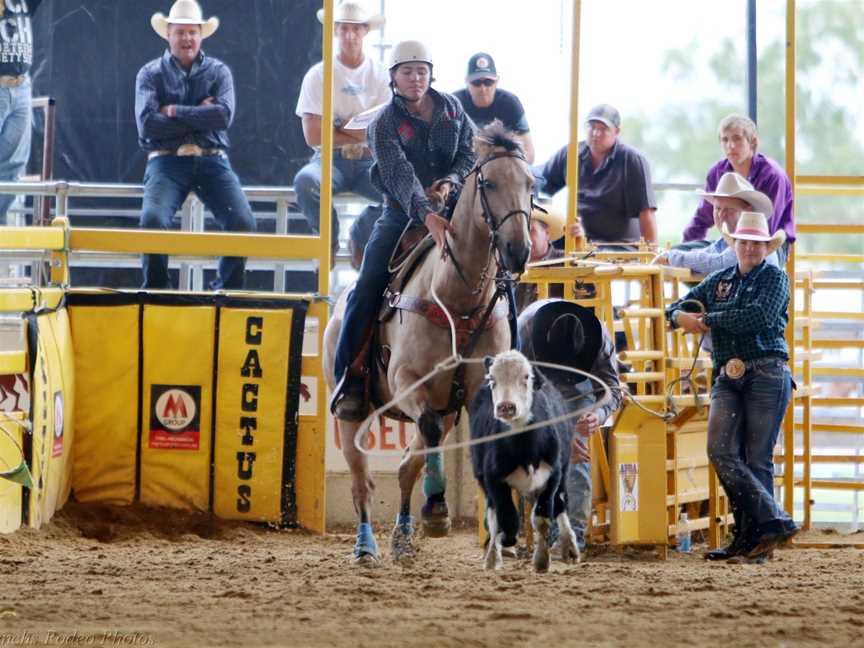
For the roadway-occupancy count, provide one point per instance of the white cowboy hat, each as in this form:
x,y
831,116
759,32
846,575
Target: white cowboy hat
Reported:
x,y
184,12
734,185
553,219
353,12
752,226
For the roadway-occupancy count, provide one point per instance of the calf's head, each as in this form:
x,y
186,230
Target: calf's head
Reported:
x,y
512,381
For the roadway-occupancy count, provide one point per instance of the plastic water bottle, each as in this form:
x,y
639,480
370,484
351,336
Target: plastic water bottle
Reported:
x,y
683,535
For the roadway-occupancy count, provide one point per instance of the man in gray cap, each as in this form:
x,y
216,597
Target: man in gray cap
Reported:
x,y
485,102
616,200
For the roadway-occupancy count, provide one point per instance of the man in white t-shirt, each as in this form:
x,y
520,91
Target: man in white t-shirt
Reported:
x,y
359,84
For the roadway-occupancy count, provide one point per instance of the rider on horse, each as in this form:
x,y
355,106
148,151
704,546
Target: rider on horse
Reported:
x,y
422,148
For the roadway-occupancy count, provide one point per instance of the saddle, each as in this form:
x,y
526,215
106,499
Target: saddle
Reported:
x,y
466,326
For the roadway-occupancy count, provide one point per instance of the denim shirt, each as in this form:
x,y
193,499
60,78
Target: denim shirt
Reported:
x,y
746,314
716,256
410,154
163,82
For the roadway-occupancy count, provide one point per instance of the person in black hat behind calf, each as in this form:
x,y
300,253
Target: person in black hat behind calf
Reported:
x,y
561,332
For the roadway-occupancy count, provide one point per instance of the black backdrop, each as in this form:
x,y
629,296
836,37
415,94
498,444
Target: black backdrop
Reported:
x,y
87,53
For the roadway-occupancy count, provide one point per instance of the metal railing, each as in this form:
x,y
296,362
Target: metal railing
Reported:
x,y
192,217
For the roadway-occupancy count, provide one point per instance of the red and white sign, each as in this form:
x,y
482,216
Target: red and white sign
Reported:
x,y
175,417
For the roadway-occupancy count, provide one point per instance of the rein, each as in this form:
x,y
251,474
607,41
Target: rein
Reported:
x,y
502,276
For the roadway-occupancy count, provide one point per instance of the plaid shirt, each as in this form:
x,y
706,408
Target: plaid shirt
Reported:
x,y
411,154
746,314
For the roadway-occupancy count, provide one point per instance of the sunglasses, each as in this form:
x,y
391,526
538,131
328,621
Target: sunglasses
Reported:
x,y
483,82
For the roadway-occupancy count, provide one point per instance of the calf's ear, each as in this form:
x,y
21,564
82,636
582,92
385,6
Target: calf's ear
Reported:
x,y
539,378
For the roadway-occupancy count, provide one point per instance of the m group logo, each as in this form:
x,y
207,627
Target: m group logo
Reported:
x,y
175,409
175,417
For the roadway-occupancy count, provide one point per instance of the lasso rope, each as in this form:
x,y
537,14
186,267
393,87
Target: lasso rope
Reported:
x,y
671,411
449,363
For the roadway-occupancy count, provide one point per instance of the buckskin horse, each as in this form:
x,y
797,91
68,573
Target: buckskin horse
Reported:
x,y
490,242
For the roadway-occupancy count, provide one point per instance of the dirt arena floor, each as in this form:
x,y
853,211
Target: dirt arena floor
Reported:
x,y
129,577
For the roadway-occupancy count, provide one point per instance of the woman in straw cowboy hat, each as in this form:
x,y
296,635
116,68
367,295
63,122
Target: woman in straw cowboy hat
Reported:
x,y
745,311
184,104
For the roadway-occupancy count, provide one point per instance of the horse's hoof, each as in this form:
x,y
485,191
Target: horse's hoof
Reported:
x,y
366,547
436,519
402,541
365,560
493,563
570,550
541,559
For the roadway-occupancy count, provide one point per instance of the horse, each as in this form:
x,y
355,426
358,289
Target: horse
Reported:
x,y
490,228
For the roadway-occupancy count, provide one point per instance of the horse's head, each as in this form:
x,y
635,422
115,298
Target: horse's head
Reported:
x,y
504,185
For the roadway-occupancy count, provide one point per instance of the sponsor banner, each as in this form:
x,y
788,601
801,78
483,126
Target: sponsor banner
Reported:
x,y
385,434
175,417
254,352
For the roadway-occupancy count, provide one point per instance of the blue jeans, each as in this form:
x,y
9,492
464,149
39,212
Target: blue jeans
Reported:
x,y
348,175
167,181
365,300
579,499
743,426
15,129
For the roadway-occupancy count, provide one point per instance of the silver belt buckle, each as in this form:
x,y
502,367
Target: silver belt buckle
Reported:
x,y
735,368
190,149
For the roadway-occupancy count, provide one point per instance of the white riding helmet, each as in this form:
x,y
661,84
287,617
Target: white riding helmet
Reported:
x,y
410,51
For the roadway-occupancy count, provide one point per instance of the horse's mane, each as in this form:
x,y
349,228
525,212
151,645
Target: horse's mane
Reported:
x,y
496,135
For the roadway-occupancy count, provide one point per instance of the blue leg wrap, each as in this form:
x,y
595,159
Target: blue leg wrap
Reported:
x,y
366,543
405,522
434,482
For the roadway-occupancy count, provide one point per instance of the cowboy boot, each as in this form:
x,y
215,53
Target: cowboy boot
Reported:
x,y
349,398
350,401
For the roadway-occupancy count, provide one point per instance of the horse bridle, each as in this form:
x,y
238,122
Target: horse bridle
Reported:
x,y
489,218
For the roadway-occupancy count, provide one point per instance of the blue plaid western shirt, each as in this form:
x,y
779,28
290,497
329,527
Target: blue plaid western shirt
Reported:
x,y
411,154
746,313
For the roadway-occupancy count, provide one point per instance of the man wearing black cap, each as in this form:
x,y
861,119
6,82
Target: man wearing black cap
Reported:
x,y
561,332
485,102
616,200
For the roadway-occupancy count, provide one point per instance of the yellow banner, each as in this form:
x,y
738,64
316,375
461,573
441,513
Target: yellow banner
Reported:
x,y
51,441
177,392
254,352
105,339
